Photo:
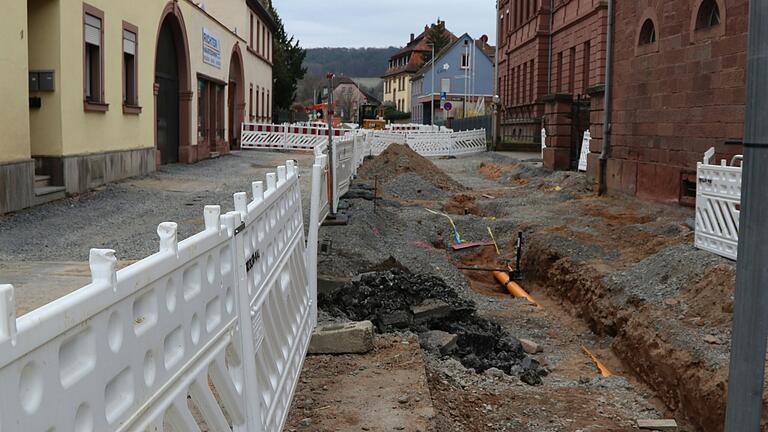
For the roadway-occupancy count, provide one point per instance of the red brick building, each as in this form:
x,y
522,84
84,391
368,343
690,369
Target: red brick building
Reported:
x,y
678,86
551,58
679,89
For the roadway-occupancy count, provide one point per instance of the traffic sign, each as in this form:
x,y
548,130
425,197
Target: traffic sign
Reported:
x,y
448,106
443,96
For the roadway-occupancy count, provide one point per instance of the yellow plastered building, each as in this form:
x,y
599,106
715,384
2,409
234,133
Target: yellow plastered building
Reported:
x,y
103,90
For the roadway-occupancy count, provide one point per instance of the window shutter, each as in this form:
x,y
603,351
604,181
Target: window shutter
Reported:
x,y
129,42
92,30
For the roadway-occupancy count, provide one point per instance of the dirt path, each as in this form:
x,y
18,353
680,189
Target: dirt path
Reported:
x,y
385,390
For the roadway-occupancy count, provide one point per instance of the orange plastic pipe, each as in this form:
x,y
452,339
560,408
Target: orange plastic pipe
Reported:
x,y
603,370
512,286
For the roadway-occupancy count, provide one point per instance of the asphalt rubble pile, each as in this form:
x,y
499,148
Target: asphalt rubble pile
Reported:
x,y
447,325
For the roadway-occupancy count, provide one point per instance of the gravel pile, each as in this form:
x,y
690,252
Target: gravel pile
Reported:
x,y
412,186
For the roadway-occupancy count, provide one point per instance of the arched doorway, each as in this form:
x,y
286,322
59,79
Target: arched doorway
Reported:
x,y
236,97
173,94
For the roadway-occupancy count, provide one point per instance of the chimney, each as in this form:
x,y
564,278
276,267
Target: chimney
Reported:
x,y
426,28
413,36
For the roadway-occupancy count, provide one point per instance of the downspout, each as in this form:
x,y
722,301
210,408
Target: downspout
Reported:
x,y
608,104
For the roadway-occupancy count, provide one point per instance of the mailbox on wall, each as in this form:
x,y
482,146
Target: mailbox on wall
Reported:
x,y
41,81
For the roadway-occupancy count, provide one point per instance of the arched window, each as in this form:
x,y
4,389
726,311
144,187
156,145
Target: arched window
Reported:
x,y
708,16
647,33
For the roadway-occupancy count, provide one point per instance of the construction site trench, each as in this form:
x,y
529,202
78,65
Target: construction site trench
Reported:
x,y
626,323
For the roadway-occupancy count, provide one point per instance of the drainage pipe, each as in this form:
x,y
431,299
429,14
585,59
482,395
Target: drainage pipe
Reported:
x,y
512,286
607,104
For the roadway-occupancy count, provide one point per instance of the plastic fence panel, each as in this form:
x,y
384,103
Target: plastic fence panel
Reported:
x,y
718,205
277,299
431,144
469,142
343,155
155,343
208,334
262,136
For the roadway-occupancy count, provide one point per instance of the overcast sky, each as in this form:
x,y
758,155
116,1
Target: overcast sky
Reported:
x,y
381,23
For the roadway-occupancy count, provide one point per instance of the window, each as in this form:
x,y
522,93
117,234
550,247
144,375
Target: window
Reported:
x,y
202,104
465,61
250,103
572,72
708,16
218,111
530,84
258,35
130,69
258,95
250,39
559,72
585,66
445,85
647,33
269,105
93,59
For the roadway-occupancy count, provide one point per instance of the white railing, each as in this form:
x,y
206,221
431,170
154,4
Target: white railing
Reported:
x,y
212,329
285,137
718,204
423,139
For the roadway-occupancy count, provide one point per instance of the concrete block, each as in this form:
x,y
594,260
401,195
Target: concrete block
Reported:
x,y
346,338
658,425
438,341
430,309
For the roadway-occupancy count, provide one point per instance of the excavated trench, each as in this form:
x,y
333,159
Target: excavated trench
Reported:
x,y
397,300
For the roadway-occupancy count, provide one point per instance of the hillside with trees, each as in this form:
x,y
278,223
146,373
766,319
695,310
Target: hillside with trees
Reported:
x,y
352,62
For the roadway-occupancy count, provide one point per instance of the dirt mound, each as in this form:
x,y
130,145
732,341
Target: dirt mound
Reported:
x,y
399,159
463,204
396,299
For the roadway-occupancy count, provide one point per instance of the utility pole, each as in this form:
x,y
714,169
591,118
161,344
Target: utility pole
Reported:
x,y
330,137
750,315
432,96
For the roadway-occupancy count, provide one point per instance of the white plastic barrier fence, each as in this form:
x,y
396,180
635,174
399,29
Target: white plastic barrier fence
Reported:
x,y
211,330
380,140
344,167
287,137
468,142
425,140
431,144
718,201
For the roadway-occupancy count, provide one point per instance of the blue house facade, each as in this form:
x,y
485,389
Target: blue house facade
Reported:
x,y
463,77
